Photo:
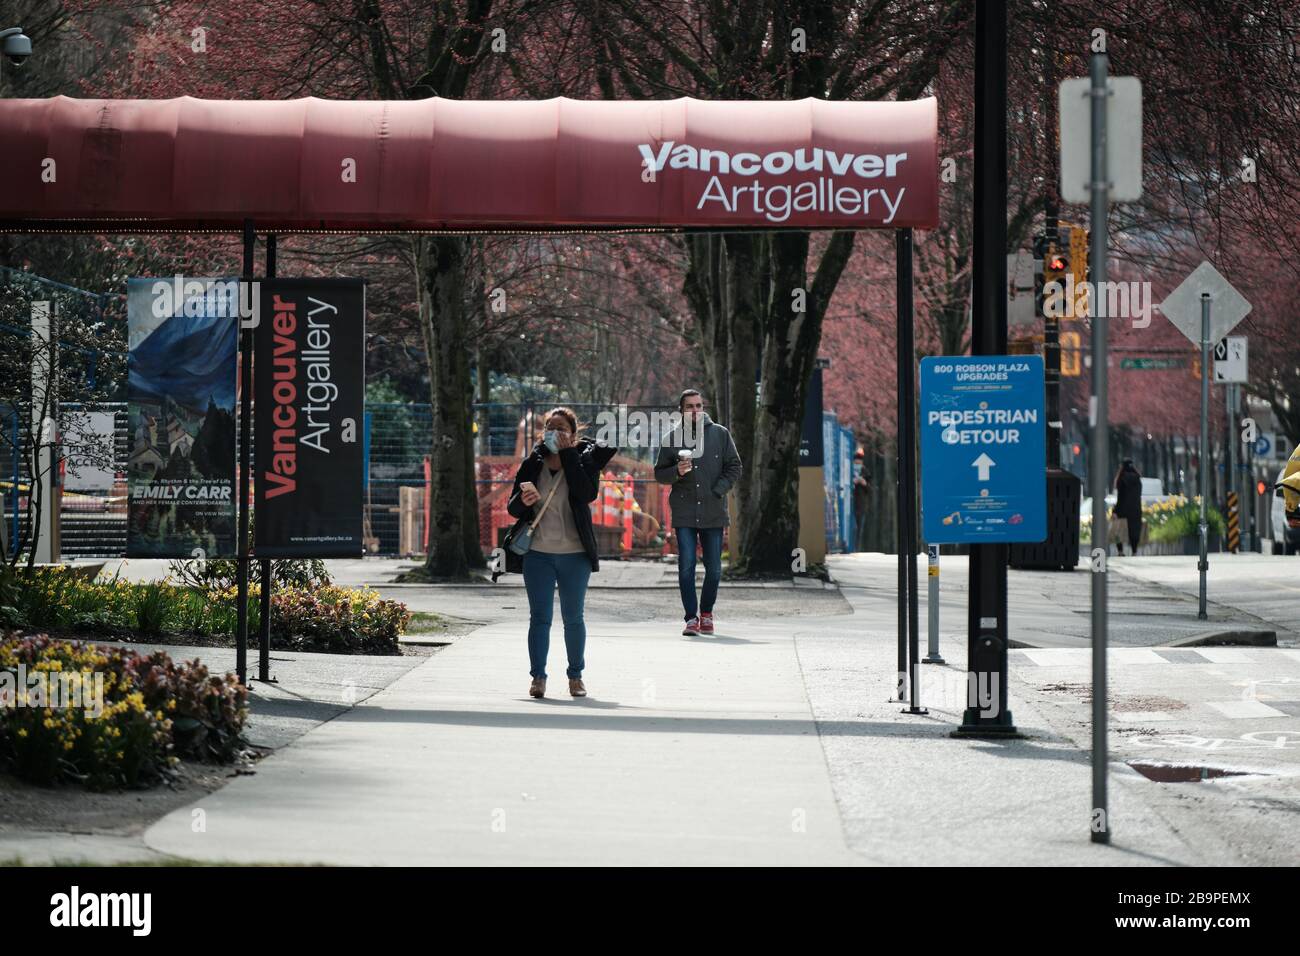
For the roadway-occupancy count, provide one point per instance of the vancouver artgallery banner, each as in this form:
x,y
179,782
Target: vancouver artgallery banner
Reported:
x,y
183,339
309,367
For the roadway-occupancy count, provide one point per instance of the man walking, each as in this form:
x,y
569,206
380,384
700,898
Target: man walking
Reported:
x,y
700,461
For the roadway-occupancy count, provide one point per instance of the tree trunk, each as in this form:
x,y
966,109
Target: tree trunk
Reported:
x,y
770,515
770,520
444,320
743,323
703,288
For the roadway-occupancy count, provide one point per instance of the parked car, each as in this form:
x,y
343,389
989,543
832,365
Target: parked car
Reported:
x,y
1286,540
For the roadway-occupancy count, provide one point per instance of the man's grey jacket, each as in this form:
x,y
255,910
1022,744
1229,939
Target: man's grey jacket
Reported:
x,y
699,497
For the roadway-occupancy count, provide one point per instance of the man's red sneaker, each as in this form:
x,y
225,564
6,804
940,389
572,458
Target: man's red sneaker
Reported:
x,y
706,622
692,627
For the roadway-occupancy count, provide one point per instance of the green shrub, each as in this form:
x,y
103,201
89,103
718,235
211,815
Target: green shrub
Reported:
x,y
316,617
150,710
208,712
1179,518
337,620
154,605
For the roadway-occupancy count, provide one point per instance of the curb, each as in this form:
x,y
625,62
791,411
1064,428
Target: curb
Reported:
x,y
1239,637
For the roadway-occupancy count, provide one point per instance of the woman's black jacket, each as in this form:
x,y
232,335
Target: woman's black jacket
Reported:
x,y
582,464
1128,494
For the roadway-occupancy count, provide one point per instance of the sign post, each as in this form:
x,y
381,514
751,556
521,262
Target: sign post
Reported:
x,y
1231,368
1101,118
1205,308
932,655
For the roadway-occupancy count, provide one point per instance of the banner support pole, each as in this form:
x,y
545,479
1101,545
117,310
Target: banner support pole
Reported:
x,y
264,619
245,420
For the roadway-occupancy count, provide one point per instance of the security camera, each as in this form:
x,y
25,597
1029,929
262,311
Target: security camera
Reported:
x,y
17,46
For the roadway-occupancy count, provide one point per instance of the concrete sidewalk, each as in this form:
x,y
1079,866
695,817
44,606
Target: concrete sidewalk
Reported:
x,y
687,752
774,742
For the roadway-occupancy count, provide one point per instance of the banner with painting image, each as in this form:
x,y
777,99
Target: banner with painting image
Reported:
x,y
182,366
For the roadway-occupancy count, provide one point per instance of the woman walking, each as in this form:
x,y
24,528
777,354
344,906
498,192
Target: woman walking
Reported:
x,y
552,496
1128,504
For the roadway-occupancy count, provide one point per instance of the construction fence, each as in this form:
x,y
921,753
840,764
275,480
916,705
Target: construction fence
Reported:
x,y
630,515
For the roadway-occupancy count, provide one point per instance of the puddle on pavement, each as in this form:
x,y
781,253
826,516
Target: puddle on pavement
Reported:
x,y
1166,773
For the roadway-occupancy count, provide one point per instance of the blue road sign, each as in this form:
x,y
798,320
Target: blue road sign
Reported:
x,y
983,449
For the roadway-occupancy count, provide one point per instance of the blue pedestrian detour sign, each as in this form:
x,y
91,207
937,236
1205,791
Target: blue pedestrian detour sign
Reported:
x,y
983,449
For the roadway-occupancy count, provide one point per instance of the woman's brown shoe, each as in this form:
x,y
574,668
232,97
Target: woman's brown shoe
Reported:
x,y
576,689
538,687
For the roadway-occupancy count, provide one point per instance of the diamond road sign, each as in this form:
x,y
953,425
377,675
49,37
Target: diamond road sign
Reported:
x,y
983,449
1183,307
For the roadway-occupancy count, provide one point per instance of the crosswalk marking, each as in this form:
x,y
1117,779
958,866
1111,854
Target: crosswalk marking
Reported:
x,y
1082,656
1229,655
1243,709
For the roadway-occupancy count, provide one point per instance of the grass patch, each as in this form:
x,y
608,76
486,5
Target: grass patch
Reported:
x,y
428,622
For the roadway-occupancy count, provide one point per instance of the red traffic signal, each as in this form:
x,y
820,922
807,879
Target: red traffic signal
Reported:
x,y
1057,263
1261,488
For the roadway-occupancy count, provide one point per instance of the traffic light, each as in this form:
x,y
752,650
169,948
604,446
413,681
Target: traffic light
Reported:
x,y
1071,355
1055,265
1041,246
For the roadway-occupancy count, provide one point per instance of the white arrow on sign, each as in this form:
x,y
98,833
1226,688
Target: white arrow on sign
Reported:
x,y
983,463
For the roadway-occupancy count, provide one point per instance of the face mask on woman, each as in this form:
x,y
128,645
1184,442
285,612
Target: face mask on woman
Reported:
x,y
551,439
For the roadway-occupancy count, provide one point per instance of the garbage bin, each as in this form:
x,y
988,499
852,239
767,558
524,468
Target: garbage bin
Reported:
x,y
1059,551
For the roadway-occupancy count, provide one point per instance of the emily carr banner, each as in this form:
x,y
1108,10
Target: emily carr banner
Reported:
x,y
183,340
309,389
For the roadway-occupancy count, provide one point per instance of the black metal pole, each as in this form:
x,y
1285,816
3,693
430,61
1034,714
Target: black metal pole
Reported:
x,y
1052,346
264,619
986,624
907,442
245,450
902,480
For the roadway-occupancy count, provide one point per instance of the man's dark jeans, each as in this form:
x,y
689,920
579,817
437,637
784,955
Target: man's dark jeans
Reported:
x,y
710,541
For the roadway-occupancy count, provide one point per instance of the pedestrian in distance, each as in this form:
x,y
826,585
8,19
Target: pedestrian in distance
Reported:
x,y
552,542
1128,503
699,460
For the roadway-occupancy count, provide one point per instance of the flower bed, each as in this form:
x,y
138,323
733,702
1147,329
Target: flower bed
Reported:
x,y
109,717
322,618
1166,525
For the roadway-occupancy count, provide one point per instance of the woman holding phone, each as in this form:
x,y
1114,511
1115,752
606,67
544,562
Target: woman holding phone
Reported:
x,y
552,496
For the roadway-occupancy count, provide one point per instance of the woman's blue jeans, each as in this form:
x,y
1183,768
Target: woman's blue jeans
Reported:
x,y
710,540
542,572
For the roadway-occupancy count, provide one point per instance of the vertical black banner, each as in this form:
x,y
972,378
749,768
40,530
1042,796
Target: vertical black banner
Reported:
x,y
309,389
